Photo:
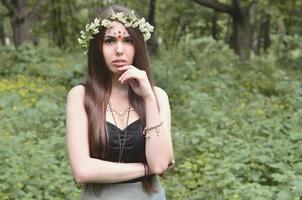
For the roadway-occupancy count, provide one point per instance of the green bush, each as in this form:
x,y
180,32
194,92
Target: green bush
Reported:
x,y
236,126
33,88
50,64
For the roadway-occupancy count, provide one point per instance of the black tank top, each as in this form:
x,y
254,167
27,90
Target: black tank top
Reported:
x,y
134,150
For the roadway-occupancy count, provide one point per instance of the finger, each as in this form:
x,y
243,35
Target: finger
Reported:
x,y
130,74
126,73
132,82
123,75
126,67
126,77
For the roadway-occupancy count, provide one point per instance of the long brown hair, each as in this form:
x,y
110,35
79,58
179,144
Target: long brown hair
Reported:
x,y
98,85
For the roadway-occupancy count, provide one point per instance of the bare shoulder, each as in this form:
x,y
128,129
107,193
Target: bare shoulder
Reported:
x,y
75,102
162,98
163,105
76,93
160,93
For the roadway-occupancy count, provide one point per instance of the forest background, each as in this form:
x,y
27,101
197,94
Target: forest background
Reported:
x,y
232,70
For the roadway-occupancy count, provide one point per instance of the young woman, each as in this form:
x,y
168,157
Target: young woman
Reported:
x,y
118,122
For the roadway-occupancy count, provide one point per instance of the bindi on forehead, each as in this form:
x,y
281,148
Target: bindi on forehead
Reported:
x,y
117,30
118,34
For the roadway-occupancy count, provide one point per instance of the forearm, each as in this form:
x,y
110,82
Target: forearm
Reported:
x,y
159,151
99,171
86,169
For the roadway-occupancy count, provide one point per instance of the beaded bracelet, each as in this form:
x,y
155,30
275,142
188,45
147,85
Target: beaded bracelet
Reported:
x,y
147,170
156,127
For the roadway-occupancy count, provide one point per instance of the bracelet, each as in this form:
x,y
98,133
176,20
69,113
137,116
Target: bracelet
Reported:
x,y
156,127
145,170
148,171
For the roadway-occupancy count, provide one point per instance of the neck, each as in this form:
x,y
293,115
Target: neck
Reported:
x,y
118,88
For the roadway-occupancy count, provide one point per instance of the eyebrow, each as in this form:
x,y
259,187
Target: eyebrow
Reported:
x,y
114,37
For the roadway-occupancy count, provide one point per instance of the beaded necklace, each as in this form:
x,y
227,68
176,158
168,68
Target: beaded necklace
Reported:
x,y
121,146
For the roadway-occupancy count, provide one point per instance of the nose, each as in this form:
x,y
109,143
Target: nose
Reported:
x,y
119,49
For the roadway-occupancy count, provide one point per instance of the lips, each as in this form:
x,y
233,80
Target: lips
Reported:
x,y
119,62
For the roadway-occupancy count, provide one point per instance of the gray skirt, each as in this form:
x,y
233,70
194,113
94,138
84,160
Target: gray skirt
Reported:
x,y
122,191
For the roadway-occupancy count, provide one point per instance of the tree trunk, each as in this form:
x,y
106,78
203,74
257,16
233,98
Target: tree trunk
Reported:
x,y
228,33
57,24
241,39
2,33
263,37
266,32
215,26
20,28
152,43
20,18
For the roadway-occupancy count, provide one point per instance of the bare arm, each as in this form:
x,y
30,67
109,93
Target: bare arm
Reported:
x,y
159,150
86,169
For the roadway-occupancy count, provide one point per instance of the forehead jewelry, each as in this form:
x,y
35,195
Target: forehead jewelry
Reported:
x,y
119,34
128,20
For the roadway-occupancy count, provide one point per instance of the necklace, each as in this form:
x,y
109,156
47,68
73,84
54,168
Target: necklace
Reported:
x,y
119,115
121,146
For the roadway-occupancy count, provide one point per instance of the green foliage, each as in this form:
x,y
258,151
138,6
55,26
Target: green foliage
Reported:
x,y
33,87
171,28
237,126
46,63
288,51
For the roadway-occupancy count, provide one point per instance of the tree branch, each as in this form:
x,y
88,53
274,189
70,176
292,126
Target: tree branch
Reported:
x,y
6,14
35,8
9,5
215,5
23,3
253,3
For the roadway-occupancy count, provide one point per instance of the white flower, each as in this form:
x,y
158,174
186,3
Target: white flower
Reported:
x,y
87,27
80,41
129,20
142,21
119,15
135,24
105,22
95,31
128,24
142,28
97,21
147,36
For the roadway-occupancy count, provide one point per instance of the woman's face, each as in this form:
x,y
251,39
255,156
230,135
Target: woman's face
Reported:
x,y
118,48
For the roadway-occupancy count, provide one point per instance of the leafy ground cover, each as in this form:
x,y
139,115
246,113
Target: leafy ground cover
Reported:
x,y
236,126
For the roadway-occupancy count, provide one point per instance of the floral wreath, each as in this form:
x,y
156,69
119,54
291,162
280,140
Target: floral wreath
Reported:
x,y
129,20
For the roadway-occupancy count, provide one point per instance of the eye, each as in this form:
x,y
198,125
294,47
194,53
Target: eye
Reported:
x,y
128,41
109,41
